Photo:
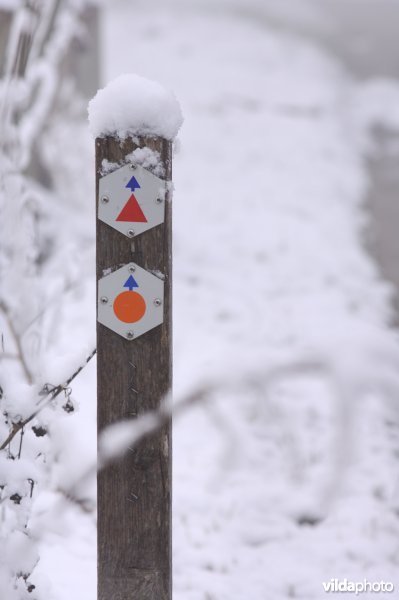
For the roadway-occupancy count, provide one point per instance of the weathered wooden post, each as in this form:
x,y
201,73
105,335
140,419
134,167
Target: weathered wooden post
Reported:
x,y
134,363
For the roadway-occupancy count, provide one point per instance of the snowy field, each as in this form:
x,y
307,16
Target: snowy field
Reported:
x,y
288,477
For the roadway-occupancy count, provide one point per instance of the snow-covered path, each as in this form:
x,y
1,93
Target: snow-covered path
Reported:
x,y
277,490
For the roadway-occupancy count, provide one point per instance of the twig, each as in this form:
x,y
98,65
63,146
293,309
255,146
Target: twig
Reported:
x,y
20,443
152,421
51,395
146,425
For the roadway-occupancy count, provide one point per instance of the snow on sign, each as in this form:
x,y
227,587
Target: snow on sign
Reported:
x,y
130,301
131,200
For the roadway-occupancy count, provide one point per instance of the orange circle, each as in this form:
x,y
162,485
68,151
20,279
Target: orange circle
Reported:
x,y
129,307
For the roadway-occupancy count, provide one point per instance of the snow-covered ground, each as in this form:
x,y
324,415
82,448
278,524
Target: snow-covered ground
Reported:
x,y
293,480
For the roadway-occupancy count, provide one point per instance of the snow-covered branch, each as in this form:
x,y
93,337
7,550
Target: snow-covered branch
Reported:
x,y
47,394
32,255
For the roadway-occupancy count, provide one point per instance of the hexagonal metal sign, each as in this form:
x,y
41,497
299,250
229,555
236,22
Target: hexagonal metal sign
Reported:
x,y
130,301
131,200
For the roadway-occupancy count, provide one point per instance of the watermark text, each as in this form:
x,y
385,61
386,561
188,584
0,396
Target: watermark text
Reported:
x,y
357,587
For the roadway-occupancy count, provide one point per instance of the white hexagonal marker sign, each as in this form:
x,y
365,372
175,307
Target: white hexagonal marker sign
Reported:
x,y
130,301
131,200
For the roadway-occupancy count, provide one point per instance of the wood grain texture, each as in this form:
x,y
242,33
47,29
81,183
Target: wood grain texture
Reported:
x,y
134,495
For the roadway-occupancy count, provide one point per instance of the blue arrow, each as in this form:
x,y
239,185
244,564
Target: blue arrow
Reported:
x,y
133,184
131,283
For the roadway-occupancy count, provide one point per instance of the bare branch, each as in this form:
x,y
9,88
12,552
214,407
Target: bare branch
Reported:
x,y
139,428
49,397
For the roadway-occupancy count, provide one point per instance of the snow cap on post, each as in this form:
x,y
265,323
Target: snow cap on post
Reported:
x,y
133,105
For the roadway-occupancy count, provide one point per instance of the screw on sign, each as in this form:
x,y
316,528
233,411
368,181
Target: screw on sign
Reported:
x,y
127,300
131,204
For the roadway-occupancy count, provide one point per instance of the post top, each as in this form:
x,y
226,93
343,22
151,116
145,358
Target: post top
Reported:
x,y
134,105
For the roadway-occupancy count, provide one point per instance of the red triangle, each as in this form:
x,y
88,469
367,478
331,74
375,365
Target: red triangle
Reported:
x,y
132,212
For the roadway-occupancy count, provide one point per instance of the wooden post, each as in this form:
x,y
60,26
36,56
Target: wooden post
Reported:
x,y
134,494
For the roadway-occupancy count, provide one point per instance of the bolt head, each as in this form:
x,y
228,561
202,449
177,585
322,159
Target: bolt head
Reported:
x,y
130,335
130,233
104,300
157,301
133,167
104,199
159,200
132,269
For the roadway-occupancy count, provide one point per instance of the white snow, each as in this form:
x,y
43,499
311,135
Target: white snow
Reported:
x,y
119,436
147,158
134,105
288,476
377,104
276,488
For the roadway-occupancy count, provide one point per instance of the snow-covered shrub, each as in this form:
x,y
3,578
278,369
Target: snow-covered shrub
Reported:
x,y
39,107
